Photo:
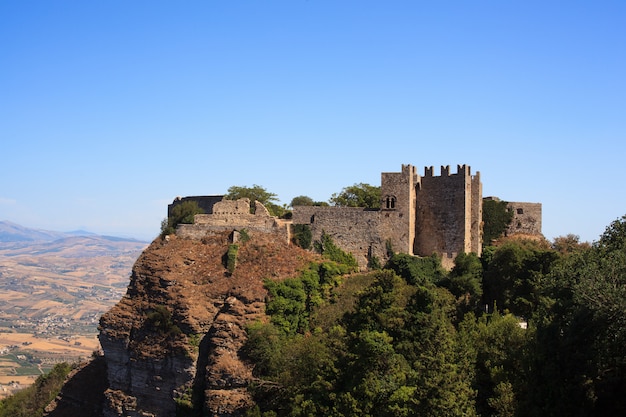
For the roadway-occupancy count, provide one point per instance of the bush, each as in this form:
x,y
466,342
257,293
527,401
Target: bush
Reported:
x,y
160,318
302,235
329,250
181,213
496,218
231,258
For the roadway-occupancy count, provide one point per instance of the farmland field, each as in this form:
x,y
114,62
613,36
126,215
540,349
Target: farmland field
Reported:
x,y
52,295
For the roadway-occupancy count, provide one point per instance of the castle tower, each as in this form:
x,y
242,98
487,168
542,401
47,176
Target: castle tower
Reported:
x,y
449,214
398,207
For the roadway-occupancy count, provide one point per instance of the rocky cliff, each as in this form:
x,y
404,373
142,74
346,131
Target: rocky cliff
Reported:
x,y
172,344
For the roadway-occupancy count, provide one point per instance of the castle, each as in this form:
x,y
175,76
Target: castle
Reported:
x,y
419,215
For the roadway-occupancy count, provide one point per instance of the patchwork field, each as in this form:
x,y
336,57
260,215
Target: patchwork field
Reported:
x,y
52,295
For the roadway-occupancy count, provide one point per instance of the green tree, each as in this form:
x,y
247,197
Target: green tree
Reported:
x,y
257,193
358,195
302,200
465,281
515,276
500,344
417,270
31,401
302,235
496,218
254,193
579,360
182,213
569,244
403,358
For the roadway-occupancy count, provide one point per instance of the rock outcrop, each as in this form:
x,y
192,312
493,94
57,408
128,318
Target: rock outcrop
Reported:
x,y
174,340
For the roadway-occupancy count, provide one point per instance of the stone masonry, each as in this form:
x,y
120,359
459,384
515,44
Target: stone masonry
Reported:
x,y
419,215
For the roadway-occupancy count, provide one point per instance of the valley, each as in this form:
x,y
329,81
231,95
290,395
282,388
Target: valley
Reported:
x,y
52,294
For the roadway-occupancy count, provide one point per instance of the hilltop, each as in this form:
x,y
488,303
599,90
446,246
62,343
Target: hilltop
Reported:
x,y
184,310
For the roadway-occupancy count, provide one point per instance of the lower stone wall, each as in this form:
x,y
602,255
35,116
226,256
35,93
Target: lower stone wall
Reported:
x,y
200,231
353,229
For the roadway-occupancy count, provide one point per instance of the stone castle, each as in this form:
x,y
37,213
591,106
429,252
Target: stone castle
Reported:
x,y
419,215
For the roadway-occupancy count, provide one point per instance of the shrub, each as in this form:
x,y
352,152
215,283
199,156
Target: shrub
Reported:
x,y
231,257
302,235
181,213
329,250
160,318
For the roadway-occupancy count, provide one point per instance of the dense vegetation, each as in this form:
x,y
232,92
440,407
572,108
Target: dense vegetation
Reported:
x,y
358,195
496,218
181,213
31,401
528,329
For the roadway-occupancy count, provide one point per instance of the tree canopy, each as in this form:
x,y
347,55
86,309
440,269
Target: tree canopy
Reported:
x,y
303,200
410,340
358,195
496,219
256,193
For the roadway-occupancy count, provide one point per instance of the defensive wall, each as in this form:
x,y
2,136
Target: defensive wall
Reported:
x,y
449,213
419,215
526,219
229,215
353,229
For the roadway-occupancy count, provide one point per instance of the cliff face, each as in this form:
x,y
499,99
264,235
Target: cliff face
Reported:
x,y
174,340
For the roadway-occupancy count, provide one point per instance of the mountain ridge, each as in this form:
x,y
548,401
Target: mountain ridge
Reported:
x,y
11,232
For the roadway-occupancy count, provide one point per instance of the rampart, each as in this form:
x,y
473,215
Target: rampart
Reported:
x,y
354,229
418,215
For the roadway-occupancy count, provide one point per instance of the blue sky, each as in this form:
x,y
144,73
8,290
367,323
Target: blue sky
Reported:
x,y
111,109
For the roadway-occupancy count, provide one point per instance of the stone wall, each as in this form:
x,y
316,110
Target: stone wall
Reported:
x,y
398,208
448,210
419,215
526,219
229,215
205,202
353,229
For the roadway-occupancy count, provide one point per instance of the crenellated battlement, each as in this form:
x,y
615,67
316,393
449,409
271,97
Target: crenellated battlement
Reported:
x,y
445,170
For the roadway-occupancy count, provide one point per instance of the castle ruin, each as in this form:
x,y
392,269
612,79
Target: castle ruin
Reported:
x,y
419,215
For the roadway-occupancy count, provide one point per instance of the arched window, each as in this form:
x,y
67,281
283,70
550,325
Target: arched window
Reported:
x,y
390,202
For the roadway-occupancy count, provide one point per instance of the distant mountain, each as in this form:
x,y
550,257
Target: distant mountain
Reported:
x,y
11,232
15,233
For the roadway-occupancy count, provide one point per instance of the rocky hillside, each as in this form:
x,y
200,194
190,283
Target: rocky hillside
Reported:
x,y
173,342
